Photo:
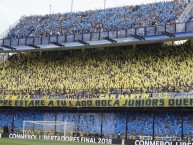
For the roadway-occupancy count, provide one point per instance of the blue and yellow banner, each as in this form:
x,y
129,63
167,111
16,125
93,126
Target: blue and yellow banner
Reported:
x,y
131,102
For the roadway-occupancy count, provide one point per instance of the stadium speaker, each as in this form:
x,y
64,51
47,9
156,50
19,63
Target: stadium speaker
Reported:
x,y
5,129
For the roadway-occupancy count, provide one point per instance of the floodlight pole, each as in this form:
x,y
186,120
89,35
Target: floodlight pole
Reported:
x,y
104,4
50,9
72,5
104,10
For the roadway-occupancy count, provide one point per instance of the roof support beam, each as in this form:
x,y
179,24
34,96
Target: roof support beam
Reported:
x,y
168,34
82,42
57,44
34,46
110,39
8,47
138,37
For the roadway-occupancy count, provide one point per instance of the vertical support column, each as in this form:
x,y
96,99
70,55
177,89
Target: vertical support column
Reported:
x,y
34,120
13,120
165,28
126,126
82,37
182,124
126,32
57,38
25,41
34,41
55,124
145,31
41,40
155,30
91,36
77,125
10,42
153,126
65,40
49,40
116,33
101,125
17,42
73,37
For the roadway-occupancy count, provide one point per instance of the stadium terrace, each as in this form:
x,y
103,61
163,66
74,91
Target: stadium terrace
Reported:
x,y
120,18
138,94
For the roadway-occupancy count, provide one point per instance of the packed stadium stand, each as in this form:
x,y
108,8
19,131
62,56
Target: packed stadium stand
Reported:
x,y
124,70
140,123
149,68
141,72
118,18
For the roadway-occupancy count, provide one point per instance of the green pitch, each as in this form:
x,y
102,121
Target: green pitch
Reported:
x,y
8,141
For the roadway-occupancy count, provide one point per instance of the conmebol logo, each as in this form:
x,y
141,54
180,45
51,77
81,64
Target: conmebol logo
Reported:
x,y
151,142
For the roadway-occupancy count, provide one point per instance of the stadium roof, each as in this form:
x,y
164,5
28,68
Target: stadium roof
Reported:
x,y
145,35
100,43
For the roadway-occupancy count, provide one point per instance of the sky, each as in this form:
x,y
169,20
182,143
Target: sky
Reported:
x,y
12,10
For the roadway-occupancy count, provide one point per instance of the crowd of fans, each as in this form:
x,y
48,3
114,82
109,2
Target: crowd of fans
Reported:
x,y
124,70
166,123
118,18
169,124
151,68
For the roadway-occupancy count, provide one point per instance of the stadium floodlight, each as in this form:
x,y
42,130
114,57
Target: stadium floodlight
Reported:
x,y
59,128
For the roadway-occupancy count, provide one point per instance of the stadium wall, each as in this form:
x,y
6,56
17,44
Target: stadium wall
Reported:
x,y
109,123
98,140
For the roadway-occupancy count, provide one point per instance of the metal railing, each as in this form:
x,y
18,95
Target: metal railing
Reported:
x,y
157,92
186,12
95,36
5,33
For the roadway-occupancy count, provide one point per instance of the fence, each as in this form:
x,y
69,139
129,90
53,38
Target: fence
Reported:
x,y
174,89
